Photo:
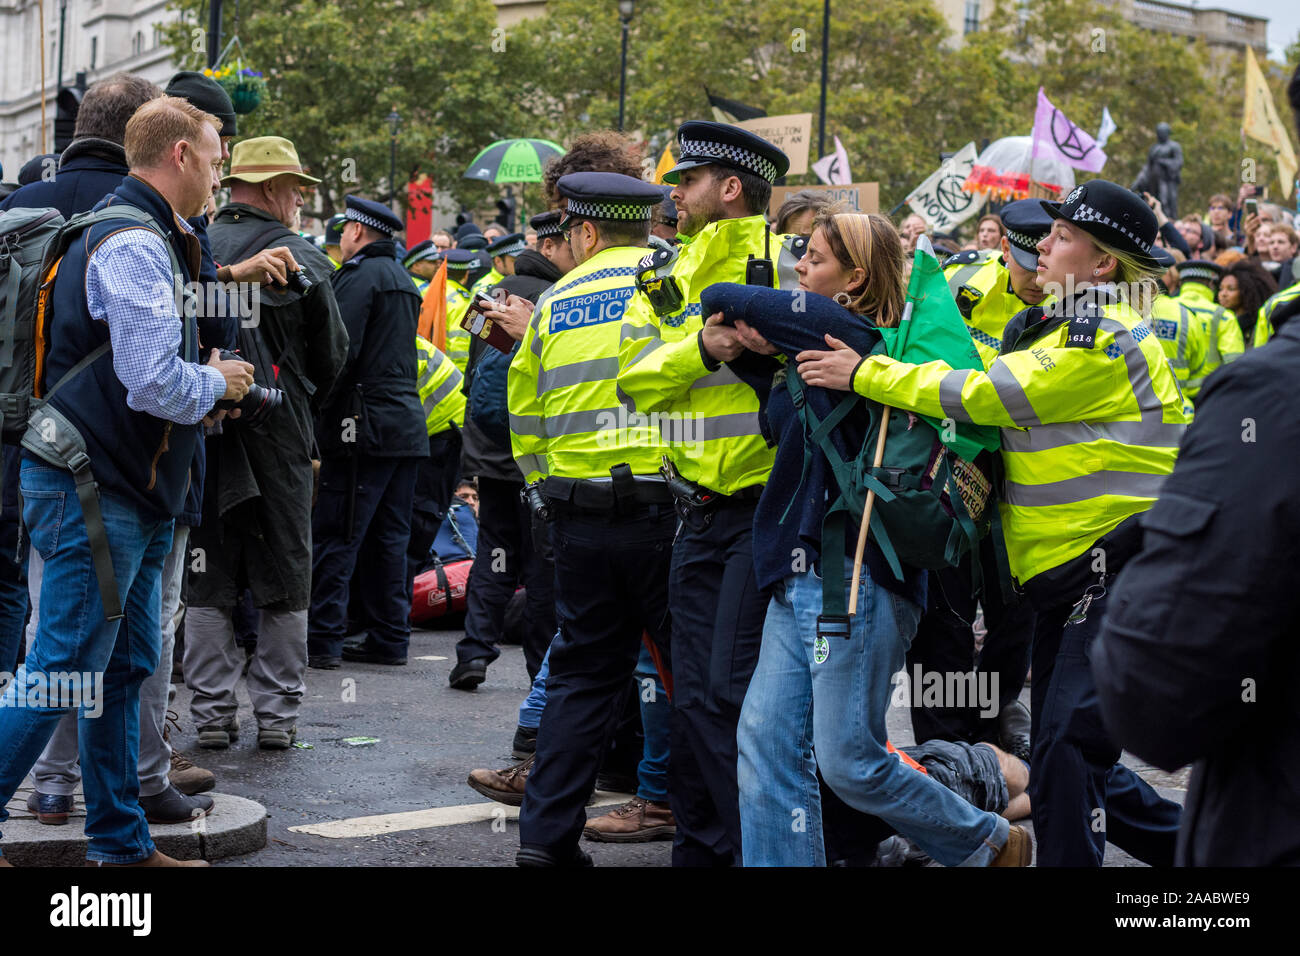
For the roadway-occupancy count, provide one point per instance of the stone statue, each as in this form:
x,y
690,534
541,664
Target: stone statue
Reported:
x,y
1163,172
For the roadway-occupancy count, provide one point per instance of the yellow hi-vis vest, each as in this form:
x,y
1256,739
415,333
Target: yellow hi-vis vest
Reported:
x,y
1264,324
565,417
486,282
709,417
458,340
1224,341
1091,420
1184,339
438,381
982,287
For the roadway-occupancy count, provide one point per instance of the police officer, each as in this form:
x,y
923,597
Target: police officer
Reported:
x,y
331,239
460,264
1181,333
372,436
1276,311
671,362
1198,282
503,252
991,286
476,242
1091,420
438,383
598,470
421,261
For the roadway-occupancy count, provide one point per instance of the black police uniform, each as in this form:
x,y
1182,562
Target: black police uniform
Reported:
x,y
372,436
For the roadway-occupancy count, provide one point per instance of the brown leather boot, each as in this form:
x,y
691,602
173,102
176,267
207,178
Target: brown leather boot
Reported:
x,y
154,859
503,786
4,862
1018,851
637,821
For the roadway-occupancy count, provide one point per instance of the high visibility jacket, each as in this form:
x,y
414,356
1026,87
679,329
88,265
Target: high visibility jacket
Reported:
x,y
458,299
438,381
565,415
486,282
1184,338
709,417
1091,420
1264,324
421,285
982,288
1224,341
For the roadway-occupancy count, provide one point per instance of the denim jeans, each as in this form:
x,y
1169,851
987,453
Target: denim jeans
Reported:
x,y
530,711
656,714
831,696
74,637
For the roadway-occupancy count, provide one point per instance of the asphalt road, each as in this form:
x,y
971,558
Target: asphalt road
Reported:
x,y
429,738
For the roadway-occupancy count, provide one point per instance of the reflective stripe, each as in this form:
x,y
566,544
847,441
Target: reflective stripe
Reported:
x,y
723,376
963,275
786,277
432,362
1141,434
443,390
531,463
738,425
1131,484
624,397
1139,372
630,331
530,425
1012,395
950,395
592,370
583,422
645,350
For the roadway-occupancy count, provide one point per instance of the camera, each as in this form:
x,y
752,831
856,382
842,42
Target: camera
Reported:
x,y
258,403
298,282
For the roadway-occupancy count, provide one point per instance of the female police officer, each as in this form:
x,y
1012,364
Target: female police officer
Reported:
x,y
1091,420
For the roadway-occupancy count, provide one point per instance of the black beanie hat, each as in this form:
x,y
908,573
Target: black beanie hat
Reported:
x,y
205,93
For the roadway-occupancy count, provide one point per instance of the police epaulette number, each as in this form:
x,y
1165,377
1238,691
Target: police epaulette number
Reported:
x,y
963,258
1082,331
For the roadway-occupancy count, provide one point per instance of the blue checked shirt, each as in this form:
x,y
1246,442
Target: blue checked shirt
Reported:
x,y
130,287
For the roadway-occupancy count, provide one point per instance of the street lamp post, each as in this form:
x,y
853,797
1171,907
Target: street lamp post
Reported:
x,y
625,21
394,125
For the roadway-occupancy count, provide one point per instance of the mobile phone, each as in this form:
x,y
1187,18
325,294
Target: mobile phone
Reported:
x,y
1252,207
481,303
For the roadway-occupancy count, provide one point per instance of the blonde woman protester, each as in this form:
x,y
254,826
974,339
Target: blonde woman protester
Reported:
x,y
809,692
1091,419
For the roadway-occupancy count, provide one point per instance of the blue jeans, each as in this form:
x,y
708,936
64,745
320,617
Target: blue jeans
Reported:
x,y
530,711
656,713
832,696
73,636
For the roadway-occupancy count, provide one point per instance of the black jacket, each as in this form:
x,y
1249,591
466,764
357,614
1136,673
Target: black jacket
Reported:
x,y
381,310
1199,658
89,170
256,528
481,456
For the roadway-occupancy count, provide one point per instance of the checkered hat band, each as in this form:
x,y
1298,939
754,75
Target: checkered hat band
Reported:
x,y
371,221
511,250
1207,276
551,229
610,210
1086,213
1023,241
736,155
461,266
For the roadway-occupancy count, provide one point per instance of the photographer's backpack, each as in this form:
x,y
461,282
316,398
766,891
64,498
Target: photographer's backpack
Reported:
x,y
32,244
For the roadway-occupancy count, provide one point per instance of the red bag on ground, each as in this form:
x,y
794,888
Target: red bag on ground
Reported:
x,y
440,590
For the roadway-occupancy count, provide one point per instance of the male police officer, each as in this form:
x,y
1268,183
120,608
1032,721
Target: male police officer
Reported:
x,y
1198,281
671,362
614,515
503,252
421,261
1180,331
372,436
460,264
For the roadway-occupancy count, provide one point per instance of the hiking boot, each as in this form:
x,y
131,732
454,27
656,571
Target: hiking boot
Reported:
x,y
187,778
184,776
469,675
154,859
217,736
1013,730
51,809
503,786
1018,851
172,806
637,821
525,742
268,739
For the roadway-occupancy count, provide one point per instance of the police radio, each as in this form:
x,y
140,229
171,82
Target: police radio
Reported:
x,y
760,271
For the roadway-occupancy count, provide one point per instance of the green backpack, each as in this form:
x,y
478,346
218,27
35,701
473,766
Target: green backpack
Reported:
x,y
932,506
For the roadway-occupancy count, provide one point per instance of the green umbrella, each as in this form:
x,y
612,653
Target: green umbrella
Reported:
x,y
513,161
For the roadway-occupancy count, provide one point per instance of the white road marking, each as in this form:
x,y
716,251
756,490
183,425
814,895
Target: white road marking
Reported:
x,y
431,658
429,819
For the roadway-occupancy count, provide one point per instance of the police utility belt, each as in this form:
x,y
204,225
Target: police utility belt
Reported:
x,y
621,492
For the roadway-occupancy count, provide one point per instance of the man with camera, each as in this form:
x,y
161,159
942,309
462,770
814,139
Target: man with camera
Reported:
x,y
372,435
256,528
132,391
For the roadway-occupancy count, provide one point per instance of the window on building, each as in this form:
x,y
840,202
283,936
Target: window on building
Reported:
x,y
971,20
137,43
157,35
94,51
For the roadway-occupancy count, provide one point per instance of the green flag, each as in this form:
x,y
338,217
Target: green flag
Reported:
x,y
932,328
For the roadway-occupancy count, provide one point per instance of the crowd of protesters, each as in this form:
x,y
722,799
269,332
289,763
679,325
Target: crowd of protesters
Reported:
x,y
247,483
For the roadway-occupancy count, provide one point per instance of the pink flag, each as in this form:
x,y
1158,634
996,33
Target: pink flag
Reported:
x,y
1056,136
